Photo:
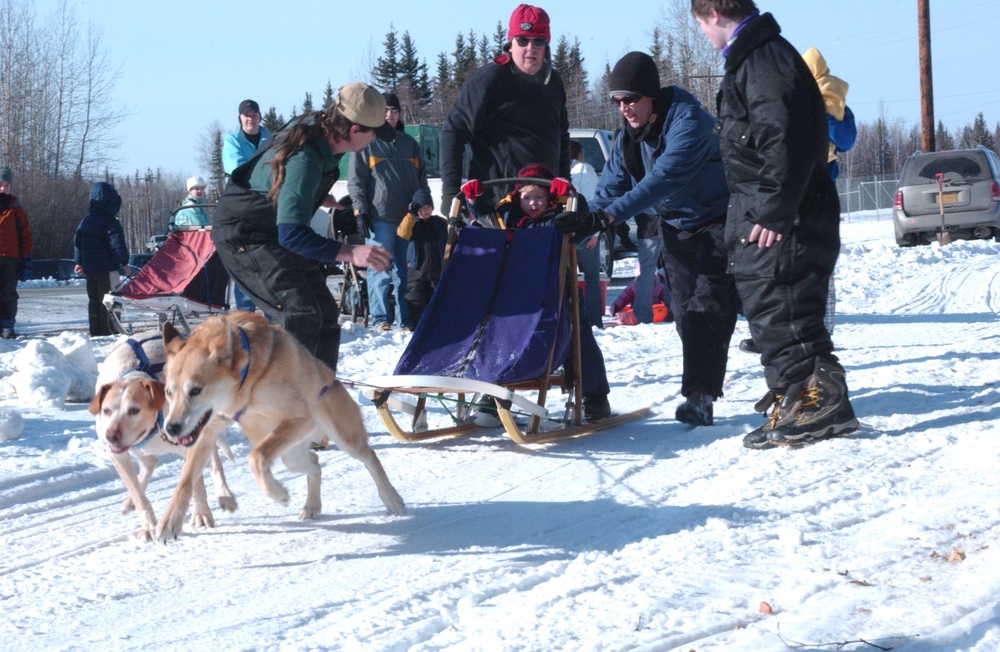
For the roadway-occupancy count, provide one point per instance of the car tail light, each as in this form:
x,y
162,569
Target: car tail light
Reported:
x,y
994,191
897,202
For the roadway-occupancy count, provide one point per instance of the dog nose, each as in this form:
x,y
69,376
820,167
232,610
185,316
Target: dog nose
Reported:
x,y
173,428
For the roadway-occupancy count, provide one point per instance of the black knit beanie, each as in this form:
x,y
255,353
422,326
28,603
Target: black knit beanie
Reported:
x,y
635,73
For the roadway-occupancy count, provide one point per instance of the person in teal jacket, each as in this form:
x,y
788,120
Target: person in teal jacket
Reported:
x,y
194,216
238,146
261,226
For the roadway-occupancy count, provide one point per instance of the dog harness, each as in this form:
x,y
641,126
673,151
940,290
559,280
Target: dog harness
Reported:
x,y
246,369
243,373
144,367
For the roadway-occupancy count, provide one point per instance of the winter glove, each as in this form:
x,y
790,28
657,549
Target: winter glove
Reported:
x,y
457,222
559,187
472,189
414,207
582,224
364,222
25,269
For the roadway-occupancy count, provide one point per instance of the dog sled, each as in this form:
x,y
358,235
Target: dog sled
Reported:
x,y
501,322
352,296
183,282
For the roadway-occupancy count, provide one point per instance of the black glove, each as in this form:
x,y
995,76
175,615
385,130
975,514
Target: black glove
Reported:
x,y
364,222
414,208
582,224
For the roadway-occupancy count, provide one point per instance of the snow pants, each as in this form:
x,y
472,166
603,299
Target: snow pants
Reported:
x,y
703,302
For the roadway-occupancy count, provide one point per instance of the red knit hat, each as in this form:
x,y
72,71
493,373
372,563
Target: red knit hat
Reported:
x,y
534,171
528,21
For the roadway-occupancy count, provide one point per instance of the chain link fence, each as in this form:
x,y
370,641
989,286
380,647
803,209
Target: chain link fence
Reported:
x,y
867,194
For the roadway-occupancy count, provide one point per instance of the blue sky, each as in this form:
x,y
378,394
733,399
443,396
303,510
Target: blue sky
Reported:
x,y
186,64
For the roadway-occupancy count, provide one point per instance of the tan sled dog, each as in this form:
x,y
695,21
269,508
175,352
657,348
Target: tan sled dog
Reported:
x,y
127,403
238,368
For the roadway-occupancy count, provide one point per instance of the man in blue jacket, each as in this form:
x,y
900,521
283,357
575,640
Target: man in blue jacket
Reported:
x,y
100,251
666,162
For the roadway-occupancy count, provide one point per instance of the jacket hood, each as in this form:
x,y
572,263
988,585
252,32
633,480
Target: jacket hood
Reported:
x,y
834,89
104,199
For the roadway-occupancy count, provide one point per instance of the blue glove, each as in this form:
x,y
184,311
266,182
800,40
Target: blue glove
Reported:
x,y
25,269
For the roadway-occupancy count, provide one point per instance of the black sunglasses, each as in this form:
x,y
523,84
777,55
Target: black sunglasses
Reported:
x,y
627,100
522,41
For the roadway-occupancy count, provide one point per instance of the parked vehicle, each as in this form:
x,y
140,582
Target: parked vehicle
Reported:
x,y
596,144
138,261
954,190
57,269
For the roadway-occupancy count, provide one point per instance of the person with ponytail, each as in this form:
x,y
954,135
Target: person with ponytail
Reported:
x,y
261,227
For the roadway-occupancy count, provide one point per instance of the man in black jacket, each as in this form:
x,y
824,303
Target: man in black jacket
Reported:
x,y
783,226
511,112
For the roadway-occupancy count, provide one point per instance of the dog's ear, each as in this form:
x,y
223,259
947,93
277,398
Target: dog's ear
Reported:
x,y
95,405
155,389
172,339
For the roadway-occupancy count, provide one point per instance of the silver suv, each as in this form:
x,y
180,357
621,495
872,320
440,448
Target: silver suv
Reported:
x,y
961,184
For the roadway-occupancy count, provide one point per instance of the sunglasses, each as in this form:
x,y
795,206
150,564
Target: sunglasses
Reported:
x,y
627,100
522,41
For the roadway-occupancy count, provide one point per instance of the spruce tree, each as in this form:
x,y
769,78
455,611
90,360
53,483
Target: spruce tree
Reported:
x,y
387,72
943,140
271,120
328,94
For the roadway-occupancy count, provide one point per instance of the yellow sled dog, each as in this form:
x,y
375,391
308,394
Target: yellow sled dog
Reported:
x,y
239,368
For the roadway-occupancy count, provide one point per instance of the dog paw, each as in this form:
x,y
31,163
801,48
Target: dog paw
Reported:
x,y
227,503
169,527
199,520
277,493
394,502
310,512
145,534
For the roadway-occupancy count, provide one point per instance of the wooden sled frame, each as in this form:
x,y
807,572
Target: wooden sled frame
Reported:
x,y
385,391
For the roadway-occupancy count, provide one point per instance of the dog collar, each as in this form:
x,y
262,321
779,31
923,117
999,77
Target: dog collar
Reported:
x,y
158,427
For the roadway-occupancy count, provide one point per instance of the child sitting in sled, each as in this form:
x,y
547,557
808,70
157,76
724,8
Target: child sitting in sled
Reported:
x,y
532,205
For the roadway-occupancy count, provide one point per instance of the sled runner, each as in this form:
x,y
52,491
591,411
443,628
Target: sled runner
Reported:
x,y
500,323
183,282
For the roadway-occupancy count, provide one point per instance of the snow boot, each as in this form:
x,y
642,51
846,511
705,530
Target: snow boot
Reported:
x,y
696,410
757,438
749,346
596,407
818,409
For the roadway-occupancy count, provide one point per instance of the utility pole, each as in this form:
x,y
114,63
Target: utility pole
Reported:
x,y
926,81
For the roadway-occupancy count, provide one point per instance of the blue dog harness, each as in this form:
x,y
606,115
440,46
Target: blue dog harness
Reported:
x,y
144,367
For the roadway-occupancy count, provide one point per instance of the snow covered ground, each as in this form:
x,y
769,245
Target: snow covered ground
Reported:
x,y
651,536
